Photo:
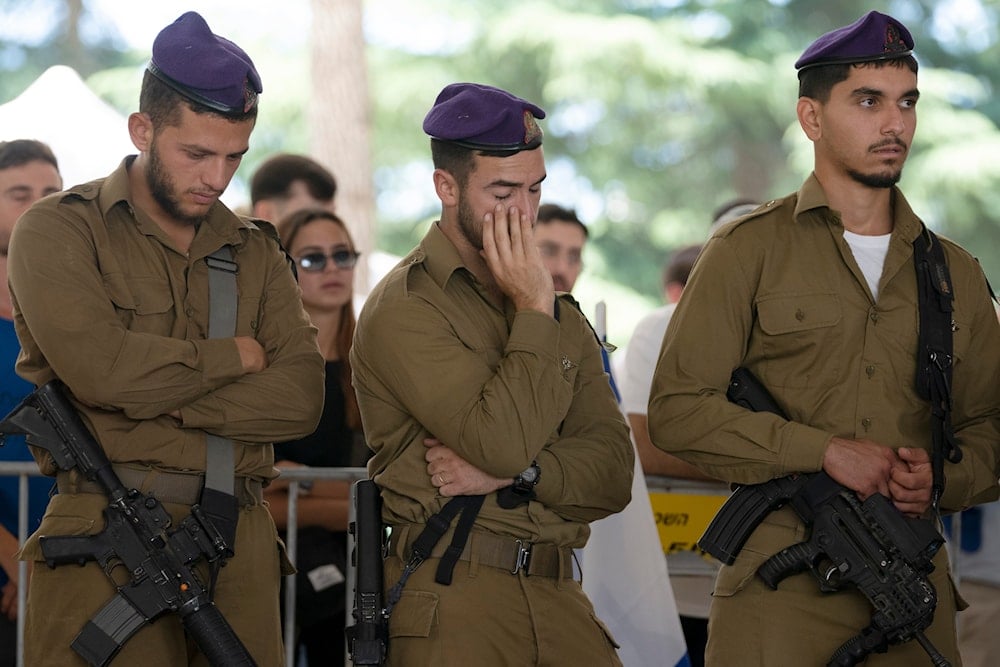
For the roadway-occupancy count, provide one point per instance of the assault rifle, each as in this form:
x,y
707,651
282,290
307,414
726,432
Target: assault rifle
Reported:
x,y
367,639
870,545
137,534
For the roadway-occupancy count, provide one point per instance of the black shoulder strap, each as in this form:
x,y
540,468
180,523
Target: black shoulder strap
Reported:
x,y
935,297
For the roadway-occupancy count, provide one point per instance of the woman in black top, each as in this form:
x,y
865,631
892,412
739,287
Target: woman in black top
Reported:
x,y
325,258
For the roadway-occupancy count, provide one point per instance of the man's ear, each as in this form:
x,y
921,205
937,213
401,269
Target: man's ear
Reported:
x,y
808,112
140,130
446,187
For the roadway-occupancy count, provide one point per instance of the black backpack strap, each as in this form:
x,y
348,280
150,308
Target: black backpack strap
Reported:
x,y
935,298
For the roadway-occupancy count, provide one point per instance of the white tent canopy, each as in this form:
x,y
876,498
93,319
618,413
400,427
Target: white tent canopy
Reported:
x,y
88,136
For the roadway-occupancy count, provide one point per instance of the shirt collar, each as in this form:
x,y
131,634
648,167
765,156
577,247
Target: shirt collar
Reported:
x,y
905,222
221,223
439,256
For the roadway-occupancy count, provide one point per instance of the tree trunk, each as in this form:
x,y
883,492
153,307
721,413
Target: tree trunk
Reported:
x,y
339,118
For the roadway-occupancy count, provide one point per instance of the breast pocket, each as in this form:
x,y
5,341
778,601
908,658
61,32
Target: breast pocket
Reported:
x,y
144,304
799,339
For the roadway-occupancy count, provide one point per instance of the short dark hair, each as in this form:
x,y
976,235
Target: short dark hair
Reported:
x,y
22,151
459,160
549,212
679,265
163,104
817,82
275,176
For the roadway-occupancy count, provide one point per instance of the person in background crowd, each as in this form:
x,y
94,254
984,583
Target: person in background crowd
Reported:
x,y
473,378
816,294
321,246
110,285
286,183
28,171
692,592
561,236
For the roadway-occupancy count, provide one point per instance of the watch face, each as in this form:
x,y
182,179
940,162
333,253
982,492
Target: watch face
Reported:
x,y
530,475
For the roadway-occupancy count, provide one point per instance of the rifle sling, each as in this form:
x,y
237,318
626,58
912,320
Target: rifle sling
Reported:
x,y
437,526
222,302
935,297
218,499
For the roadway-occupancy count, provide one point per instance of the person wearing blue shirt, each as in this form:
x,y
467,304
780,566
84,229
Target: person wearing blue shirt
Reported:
x,y
28,172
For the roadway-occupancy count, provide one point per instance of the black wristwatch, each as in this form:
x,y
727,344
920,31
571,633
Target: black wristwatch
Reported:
x,y
524,484
522,490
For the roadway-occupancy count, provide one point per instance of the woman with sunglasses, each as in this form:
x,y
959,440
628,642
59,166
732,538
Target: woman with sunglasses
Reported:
x,y
325,257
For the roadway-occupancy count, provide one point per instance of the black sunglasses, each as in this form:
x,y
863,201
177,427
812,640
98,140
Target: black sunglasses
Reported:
x,y
316,261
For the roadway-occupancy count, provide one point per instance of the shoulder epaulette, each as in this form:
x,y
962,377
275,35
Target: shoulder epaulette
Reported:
x,y
760,211
259,224
83,191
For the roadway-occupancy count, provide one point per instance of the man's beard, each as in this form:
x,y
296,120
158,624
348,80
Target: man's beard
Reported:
x,y
876,180
883,180
162,189
467,224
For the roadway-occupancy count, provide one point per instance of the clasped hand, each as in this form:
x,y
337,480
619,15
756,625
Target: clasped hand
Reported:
x,y
903,475
454,476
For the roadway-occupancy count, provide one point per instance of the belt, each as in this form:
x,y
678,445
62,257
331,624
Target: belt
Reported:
x,y
506,553
167,487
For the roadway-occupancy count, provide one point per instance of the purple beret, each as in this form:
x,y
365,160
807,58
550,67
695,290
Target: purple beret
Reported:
x,y
874,36
484,118
205,68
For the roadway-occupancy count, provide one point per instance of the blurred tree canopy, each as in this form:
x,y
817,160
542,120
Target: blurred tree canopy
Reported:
x,y
658,111
662,110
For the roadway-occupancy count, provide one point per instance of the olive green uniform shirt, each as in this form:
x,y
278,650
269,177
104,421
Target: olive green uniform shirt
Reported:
x,y
433,357
104,301
780,293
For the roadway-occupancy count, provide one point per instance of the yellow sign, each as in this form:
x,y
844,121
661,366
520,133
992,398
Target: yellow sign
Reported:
x,y
681,518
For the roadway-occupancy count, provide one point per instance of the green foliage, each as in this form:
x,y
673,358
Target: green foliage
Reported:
x,y
665,109
658,111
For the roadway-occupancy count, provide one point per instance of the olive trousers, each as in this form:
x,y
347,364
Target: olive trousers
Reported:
x,y
489,617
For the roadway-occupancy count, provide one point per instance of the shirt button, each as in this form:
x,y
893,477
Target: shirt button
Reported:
x,y
873,316
870,370
866,422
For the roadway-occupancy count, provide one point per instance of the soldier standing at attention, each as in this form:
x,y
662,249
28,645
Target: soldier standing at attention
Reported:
x,y
817,295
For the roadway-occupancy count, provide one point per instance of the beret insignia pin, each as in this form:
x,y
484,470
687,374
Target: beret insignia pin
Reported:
x,y
531,130
893,40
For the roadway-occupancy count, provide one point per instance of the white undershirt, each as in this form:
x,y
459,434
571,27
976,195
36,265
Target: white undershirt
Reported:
x,y
869,253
